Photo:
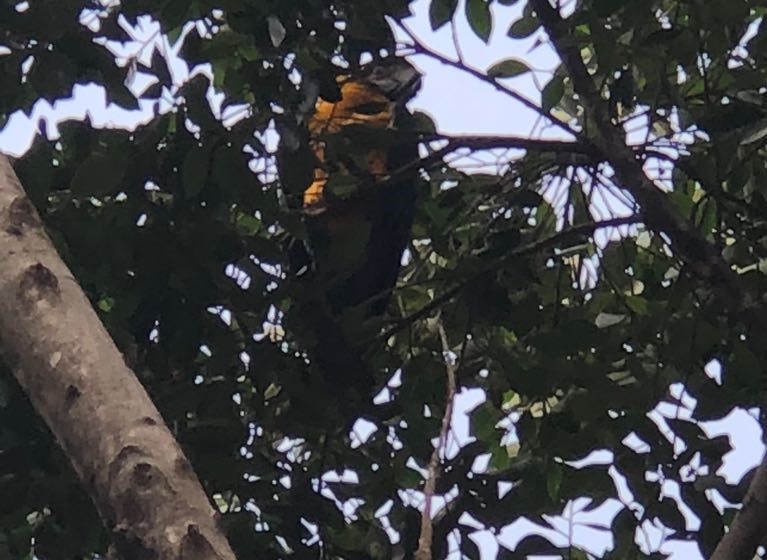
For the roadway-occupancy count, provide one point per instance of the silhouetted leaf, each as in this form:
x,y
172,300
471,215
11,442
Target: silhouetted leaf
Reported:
x,y
508,68
480,18
441,12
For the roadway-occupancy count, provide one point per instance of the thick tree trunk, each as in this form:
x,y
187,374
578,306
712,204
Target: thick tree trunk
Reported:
x,y
749,528
143,486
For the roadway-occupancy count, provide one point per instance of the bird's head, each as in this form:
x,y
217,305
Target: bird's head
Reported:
x,y
395,77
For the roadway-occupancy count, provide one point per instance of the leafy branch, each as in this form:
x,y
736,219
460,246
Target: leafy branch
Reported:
x,y
750,524
658,211
452,364
572,234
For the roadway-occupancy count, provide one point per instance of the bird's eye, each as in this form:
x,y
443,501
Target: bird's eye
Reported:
x,y
372,108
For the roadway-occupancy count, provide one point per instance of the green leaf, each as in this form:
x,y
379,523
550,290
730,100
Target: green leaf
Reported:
x,y
441,12
500,457
552,93
250,52
523,27
99,174
106,304
122,96
342,185
248,225
176,12
743,367
483,421
637,304
423,123
194,173
554,481
508,68
480,19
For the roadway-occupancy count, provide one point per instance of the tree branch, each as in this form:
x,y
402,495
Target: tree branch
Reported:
x,y
658,211
426,535
747,531
57,348
570,235
487,142
750,525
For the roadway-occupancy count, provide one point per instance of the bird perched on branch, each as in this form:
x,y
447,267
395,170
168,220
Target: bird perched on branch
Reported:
x,y
359,204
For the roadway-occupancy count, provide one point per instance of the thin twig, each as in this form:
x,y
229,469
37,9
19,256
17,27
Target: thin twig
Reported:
x,y
487,142
452,364
456,44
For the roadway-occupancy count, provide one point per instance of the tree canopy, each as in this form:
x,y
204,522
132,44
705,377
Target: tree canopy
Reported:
x,y
605,290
